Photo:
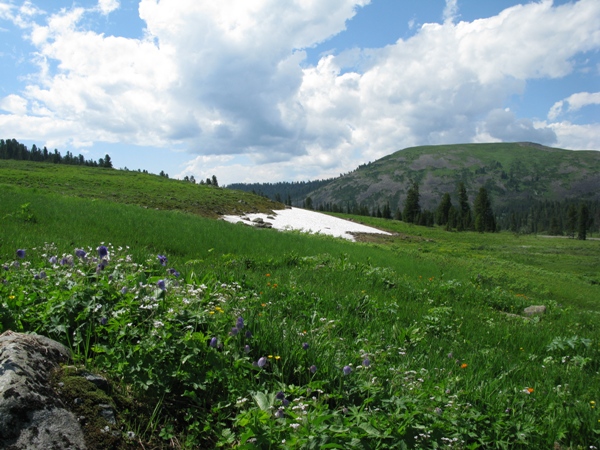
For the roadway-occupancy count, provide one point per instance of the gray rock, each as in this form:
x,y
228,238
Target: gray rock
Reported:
x,y
534,310
31,414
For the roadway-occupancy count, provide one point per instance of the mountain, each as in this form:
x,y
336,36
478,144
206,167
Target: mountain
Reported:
x,y
513,173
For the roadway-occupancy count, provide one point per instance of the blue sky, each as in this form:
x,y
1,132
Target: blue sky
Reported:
x,y
265,90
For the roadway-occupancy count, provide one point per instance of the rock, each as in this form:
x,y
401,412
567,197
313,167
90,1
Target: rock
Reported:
x,y
258,220
534,310
32,416
99,381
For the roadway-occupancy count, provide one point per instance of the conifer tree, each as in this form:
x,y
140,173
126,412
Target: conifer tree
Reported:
x,y
412,209
484,216
571,220
464,219
584,216
444,209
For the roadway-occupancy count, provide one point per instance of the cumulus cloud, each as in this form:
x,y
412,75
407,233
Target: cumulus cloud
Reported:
x,y
503,125
574,102
108,6
230,79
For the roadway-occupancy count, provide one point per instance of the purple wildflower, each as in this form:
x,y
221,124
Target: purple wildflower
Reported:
x,y
246,348
53,260
347,370
280,395
173,272
262,362
240,322
161,284
64,261
124,290
20,253
279,413
5,267
305,345
102,251
285,402
313,369
162,259
248,334
366,362
234,331
103,321
213,342
80,253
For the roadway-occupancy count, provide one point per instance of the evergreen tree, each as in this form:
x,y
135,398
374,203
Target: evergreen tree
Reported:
x,y
107,162
584,215
444,209
464,219
571,220
214,181
398,215
412,209
484,216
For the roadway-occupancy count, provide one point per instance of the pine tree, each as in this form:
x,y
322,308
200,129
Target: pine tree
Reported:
x,y
571,220
444,209
584,215
412,209
484,216
464,219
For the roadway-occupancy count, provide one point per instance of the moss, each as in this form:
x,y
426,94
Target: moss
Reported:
x,y
83,398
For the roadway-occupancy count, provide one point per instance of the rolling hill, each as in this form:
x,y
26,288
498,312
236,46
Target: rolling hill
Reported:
x,y
511,172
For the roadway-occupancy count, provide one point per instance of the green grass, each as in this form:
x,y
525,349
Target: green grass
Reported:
x,y
448,367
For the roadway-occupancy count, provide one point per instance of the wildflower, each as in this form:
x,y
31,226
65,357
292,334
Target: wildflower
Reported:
x,y
103,321
240,323
173,272
161,284
21,253
305,345
248,334
313,369
234,331
279,414
130,435
53,260
438,411
530,390
280,395
246,348
464,365
162,259
294,425
213,342
268,275
65,261
277,357
366,362
270,356
5,267
102,251
124,290
80,253
158,324
40,276
262,362
347,370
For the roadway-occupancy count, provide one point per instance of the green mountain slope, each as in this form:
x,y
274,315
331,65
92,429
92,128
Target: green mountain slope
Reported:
x,y
511,172
131,187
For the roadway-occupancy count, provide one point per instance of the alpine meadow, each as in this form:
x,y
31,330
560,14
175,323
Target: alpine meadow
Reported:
x,y
219,335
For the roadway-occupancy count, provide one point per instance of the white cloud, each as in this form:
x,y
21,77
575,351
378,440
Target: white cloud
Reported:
x,y
108,6
575,102
451,10
229,79
14,104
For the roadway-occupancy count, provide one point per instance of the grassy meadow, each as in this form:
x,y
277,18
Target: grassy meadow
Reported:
x,y
216,335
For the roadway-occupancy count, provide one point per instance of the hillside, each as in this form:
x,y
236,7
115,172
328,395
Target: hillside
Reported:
x,y
130,187
511,172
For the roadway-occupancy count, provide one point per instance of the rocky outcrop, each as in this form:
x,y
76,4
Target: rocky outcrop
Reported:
x,y
32,416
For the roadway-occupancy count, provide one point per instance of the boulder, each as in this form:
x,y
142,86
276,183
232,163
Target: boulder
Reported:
x,y
534,310
32,416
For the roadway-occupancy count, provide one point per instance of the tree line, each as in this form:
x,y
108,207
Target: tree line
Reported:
x,y
569,218
12,149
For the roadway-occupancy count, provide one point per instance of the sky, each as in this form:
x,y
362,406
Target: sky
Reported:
x,y
295,90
